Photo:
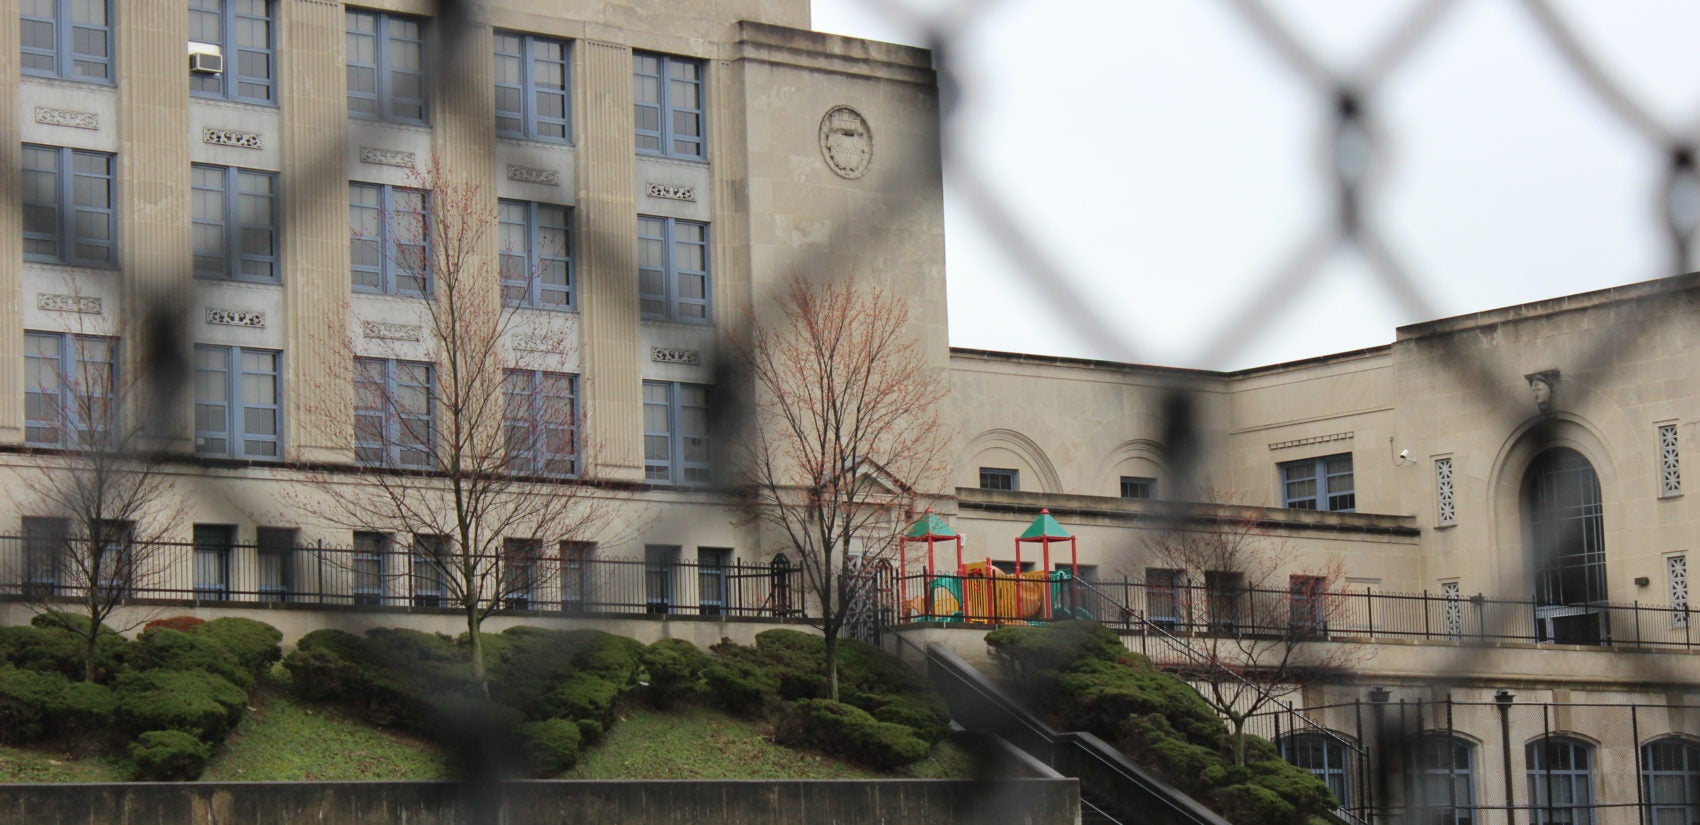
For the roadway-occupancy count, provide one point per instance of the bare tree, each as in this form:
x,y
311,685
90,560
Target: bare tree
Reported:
x,y
476,450
846,436
1249,628
103,505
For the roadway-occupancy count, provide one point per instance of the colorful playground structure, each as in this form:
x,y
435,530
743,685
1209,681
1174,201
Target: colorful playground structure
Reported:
x,y
980,593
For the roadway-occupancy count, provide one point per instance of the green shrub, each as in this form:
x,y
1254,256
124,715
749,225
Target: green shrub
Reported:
x,y
589,731
552,744
378,681
1030,655
168,755
922,713
48,646
675,670
583,696
737,685
196,703
84,708
254,644
28,700
163,648
849,731
1256,805
576,674
178,623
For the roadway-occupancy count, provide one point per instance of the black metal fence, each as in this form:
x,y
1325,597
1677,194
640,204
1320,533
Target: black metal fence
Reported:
x,y
387,577
1344,615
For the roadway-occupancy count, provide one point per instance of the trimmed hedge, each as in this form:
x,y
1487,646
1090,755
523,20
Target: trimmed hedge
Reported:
x,y
553,745
738,685
169,756
166,649
46,645
28,700
181,624
256,645
675,670
849,731
197,703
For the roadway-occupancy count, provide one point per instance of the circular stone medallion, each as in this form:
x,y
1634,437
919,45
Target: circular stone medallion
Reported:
x,y
846,142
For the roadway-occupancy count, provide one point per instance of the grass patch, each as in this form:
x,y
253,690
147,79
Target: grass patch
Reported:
x,y
288,739
36,765
694,742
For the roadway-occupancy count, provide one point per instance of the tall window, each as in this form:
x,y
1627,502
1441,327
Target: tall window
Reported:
x,y
1440,784
242,31
1224,592
235,223
1325,756
238,402
575,574
394,408
536,258
1670,781
1319,484
658,564
1139,487
386,67
71,39
275,550
212,560
531,87
673,270
999,478
1561,781
711,580
68,215
430,564
44,555
1565,537
519,572
675,433
389,230
540,421
667,96
1163,597
370,567
1308,615
69,383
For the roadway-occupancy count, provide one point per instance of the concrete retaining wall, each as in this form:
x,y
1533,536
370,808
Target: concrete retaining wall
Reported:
x,y
740,802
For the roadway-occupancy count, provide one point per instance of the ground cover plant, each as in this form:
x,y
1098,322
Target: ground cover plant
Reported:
x,y
163,700
1080,676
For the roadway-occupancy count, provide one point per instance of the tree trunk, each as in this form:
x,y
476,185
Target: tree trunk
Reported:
x,y
832,663
473,623
1238,723
91,642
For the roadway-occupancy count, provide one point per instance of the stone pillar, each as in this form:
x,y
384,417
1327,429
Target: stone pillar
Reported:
x,y
607,223
11,239
155,256
318,387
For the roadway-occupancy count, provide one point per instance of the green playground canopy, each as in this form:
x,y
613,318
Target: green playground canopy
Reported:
x,y
931,526
1044,528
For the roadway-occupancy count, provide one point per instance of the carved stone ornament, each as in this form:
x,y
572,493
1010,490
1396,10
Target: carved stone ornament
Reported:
x,y
393,332
670,355
846,142
1544,387
672,192
86,304
236,317
532,174
67,117
232,137
387,157
536,342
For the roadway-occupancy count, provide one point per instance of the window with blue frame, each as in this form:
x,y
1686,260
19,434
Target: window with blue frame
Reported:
x,y
667,96
68,215
394,408
1670,780
235,223
386,66
1440,781
238,403
673,270
430,565
531,87
212,560
711,580
370,567
389,239
1561,781
242,31
519,572
1319,484
1138,487
536,256
540,421
999,478
69,385
70,39
675,433
1325,755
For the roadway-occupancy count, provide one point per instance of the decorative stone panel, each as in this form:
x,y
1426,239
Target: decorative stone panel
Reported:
x,y
672,191
1316,439
1670,462
1445,503
236,317
670,355
67,117
232,137
86,304
392,332
1676,567
387,157
532,174
1454,609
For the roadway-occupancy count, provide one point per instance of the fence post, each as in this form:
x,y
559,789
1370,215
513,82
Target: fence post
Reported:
x,y
1428,633
1636,605
1369,610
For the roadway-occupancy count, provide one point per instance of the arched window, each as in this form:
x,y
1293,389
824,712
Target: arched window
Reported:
x,y
1440,782
1323,755
1566,545
1561,781
1670,779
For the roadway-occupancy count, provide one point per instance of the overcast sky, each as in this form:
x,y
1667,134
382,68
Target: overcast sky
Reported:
x,y
1168,161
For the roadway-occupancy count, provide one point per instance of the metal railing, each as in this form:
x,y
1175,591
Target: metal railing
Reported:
x,y
1191,610
397,578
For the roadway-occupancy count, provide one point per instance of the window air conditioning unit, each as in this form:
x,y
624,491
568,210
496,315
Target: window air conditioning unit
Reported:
x,y
206,63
